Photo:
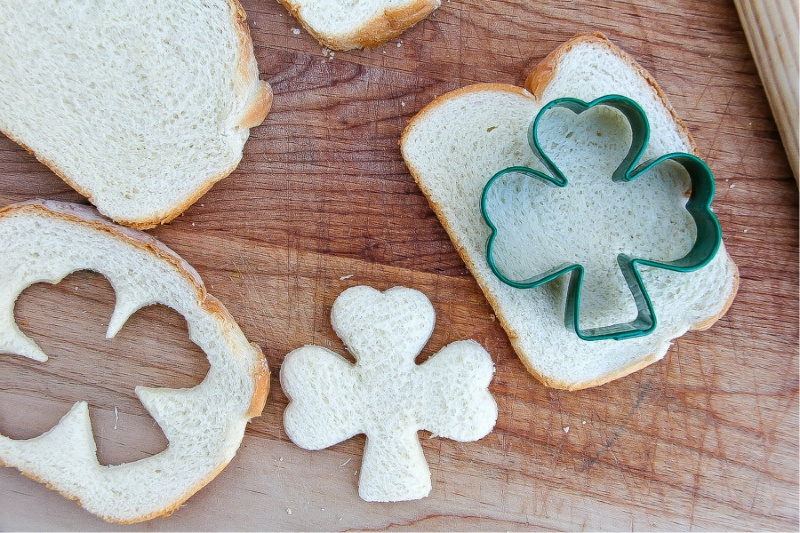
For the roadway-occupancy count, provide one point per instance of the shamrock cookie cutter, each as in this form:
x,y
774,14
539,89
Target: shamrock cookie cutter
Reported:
x,y
707,240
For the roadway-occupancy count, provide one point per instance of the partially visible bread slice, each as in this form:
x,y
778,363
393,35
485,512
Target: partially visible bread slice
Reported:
x,y
458,142
140,106
45,241
341,25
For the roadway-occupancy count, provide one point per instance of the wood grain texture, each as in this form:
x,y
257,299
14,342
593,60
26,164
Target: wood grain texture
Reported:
x,y
705,439
772,32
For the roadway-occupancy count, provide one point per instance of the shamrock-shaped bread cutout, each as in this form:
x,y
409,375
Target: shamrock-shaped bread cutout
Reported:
x,y
655,230
385,394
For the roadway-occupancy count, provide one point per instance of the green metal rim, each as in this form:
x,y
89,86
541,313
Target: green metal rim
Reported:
x,y
707,241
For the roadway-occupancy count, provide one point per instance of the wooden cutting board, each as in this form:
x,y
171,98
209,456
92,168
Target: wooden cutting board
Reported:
x,y
705,439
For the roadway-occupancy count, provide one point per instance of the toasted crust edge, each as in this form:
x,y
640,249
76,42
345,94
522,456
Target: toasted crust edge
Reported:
x,y
385,26
255,111
543,73
89,216
535,84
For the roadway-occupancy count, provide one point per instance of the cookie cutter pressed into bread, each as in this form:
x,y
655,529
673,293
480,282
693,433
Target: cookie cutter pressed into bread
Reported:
x,y
705,246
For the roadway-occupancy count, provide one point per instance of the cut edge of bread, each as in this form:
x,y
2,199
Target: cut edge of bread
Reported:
x,y
89,216
536,82
259,97
387,25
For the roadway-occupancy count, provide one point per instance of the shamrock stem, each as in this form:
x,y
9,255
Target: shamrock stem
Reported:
x,y
394,468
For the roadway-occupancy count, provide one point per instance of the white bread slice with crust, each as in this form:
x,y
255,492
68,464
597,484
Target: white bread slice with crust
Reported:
x,y
342,25
459,141
139,106
43,241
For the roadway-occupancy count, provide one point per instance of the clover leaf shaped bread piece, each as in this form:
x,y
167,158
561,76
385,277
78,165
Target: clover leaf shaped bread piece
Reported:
x,y
385,394
707,234
45,241
458,142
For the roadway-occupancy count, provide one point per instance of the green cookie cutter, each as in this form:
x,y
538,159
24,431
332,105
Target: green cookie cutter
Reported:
x,y
705,246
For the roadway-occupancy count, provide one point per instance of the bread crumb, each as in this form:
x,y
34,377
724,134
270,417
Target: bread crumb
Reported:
x,y
345,463
288,510
399,44
583,423
732,185
346,277
116,417
296,31
745,230
402,104
566,429
280,459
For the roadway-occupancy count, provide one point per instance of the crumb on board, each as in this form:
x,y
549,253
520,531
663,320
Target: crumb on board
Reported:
x,y
346,277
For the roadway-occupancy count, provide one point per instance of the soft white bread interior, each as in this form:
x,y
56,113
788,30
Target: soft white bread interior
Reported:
x,y
385,394
140,106
458,142
344,25
45,241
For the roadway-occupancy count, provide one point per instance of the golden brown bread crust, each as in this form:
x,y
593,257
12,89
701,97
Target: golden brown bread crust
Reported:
x,y
253,114
535,85
541,76
87,215
261,100
389,24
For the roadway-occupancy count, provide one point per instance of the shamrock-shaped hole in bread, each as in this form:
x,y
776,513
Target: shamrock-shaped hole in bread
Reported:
x,y
69,322
607,221
44,241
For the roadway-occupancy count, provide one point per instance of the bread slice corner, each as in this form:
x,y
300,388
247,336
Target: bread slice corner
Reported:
x,y
359,24
139,109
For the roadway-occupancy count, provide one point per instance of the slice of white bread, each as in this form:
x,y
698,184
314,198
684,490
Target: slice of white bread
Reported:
x,y
140,106
344,25
386,395
45,241
458,142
